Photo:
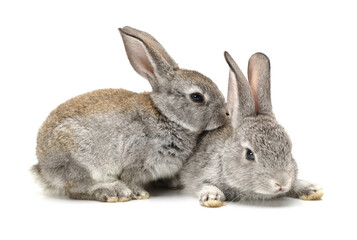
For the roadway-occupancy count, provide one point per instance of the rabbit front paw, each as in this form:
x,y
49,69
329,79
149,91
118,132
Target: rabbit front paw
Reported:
x,y
138,192
211,196
306,191
141,194
314,192
113,195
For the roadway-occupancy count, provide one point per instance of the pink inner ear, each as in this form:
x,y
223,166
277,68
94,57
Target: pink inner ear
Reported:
x,y
232,96
253,79
156,46
259,79
139,57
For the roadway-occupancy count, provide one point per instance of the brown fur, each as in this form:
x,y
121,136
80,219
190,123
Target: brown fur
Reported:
x,y
95,102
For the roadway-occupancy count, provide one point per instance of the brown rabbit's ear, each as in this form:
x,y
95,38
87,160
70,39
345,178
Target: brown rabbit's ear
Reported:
x,y
240,100
259,79
148,57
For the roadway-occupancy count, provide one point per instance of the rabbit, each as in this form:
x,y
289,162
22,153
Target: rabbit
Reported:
x,y
248,158
107,144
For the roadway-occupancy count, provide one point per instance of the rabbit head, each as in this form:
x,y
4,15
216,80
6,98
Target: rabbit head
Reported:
x,y
259,162
185,97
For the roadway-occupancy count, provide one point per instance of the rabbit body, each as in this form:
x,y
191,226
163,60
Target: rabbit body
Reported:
x,y
107,144
110,135
249,158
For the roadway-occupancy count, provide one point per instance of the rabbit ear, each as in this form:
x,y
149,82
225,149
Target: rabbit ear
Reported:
x,y
240,100
148,57
259,79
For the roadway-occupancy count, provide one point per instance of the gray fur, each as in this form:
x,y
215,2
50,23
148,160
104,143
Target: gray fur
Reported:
x,y
107,144
219,170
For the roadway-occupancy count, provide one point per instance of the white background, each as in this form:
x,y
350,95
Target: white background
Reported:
x,y
51,51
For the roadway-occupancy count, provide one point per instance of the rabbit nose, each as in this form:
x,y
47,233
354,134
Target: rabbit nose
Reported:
x,y
281,182
278,187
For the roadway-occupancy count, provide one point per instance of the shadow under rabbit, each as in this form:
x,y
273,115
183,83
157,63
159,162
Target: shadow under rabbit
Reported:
x,y
271,203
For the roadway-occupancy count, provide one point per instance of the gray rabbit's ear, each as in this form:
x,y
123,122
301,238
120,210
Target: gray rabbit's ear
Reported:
x,y
259,79
240,100
148,57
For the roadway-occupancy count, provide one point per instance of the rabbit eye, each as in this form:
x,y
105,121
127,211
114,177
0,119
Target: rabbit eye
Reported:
x,y
197,97
250,155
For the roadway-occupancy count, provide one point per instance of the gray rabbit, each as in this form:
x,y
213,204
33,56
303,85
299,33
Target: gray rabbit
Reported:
x,y
250,156
107,144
